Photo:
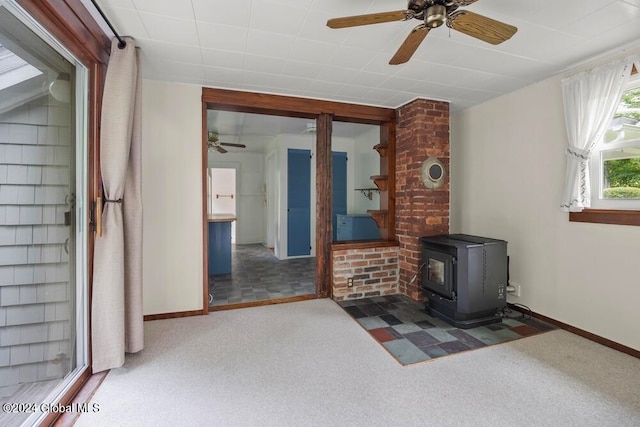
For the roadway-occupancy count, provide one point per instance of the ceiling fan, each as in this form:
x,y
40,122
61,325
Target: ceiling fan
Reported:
x,y
213,141
434,13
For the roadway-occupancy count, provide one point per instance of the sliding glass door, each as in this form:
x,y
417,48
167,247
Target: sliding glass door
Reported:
x,y
43,299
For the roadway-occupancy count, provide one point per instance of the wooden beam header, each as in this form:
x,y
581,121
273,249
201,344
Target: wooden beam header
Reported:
x,y
290,106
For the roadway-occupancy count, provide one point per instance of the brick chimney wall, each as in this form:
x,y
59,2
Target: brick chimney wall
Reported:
x,y
422,131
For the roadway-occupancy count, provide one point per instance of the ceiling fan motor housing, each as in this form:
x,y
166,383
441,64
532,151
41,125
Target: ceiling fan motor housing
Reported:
x,y
435,16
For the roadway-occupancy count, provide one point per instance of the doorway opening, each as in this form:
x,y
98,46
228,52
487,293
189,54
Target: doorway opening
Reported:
x,y
320,117
222,194
261,189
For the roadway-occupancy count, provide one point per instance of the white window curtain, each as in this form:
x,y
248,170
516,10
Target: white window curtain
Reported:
x,y
590,100
116,307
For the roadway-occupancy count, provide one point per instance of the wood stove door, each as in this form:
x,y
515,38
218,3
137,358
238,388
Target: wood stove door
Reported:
x,y
438,275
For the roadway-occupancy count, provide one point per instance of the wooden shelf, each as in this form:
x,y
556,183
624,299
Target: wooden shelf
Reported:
x,y
380,217
381,181
381,149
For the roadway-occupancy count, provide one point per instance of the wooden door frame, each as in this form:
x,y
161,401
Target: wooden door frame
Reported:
x,y
324,112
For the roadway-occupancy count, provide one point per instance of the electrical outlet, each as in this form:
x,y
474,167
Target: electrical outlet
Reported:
x,y
350,282
517,291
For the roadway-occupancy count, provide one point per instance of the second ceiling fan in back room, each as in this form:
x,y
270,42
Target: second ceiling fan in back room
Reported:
x,y
213,142
434,13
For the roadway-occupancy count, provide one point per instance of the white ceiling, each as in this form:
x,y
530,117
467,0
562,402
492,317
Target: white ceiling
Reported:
x,y
285,47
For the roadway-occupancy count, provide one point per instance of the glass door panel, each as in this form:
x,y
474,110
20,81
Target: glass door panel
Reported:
x,y
41,192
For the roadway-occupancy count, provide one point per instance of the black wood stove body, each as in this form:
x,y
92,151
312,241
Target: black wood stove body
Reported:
x,y
464,278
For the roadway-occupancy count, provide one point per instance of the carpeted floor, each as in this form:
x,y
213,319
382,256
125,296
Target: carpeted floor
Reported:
x,y
309,364
411,335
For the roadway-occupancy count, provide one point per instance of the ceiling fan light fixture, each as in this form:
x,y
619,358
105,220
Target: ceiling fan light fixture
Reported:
x,y
435,16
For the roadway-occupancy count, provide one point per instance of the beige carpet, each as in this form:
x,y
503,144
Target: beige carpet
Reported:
x,y
309,364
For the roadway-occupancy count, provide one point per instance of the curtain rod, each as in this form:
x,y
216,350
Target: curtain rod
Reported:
x,y
121,43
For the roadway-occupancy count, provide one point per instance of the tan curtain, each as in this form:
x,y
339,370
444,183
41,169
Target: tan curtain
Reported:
x,y
116,304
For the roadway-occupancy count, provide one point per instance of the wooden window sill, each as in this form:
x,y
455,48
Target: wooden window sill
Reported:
x,y
606,216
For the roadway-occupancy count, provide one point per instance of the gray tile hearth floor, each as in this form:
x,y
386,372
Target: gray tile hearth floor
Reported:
x,y
257,275
403,328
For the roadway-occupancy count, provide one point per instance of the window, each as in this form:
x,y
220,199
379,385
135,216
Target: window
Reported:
x,y
616,161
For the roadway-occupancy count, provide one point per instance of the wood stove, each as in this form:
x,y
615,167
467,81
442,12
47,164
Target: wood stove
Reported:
x,y
464,278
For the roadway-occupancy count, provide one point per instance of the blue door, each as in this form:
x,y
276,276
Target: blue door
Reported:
x,y
298,202
339,188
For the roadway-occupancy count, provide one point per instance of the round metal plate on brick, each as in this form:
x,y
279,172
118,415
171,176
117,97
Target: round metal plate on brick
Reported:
x,y
432,173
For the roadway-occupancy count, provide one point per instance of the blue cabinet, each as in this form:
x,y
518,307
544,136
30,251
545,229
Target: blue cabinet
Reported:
x,y
356,227
219,247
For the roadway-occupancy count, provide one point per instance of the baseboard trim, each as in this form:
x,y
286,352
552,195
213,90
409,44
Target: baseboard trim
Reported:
x,y
261,303
581,332
161,316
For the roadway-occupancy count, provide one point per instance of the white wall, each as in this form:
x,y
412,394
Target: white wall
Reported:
x,y
172,197
250,203
507,172
366,164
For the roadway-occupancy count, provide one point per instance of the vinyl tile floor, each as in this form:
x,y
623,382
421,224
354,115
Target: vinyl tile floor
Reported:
x,y
406,331
257,275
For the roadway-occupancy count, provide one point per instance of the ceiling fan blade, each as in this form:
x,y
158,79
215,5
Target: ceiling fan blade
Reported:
x,y
221,150
479,26
231,144
372,18
409,46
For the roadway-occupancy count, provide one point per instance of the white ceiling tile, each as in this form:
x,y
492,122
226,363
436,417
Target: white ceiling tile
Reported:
x,y
474,95
378,94
334,74
116,3
354,91
177,52
312,51
565,12
365,78
218,75
299,68
269,44
175,71
375,36
222,58
340,8
324,87
596,23
349,57
222,37
276,17
298,3
380,64
166,29
430,90
417,69
126,21
180,9
285,47
540,43
399,83
235,13
263,64
315,28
